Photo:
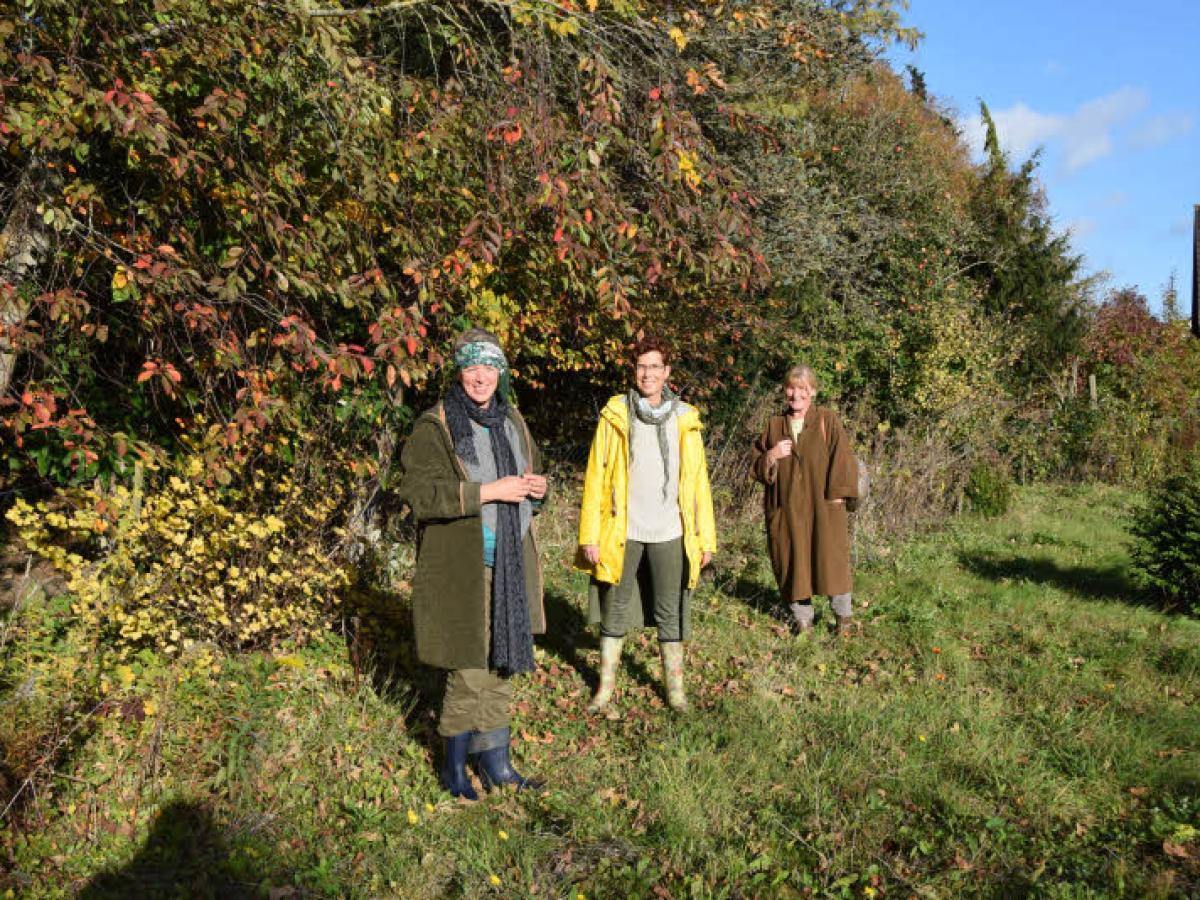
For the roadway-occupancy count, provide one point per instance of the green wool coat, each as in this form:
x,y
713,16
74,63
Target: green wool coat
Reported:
x,y
450,607
808,533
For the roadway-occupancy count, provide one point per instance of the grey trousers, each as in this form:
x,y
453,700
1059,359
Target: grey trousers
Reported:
x,y
666,561
805,613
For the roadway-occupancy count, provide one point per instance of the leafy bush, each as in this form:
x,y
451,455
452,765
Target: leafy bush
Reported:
x,y
989,488
1166,548
189,561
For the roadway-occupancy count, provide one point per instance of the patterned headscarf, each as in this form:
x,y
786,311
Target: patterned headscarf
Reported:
x,y
481,353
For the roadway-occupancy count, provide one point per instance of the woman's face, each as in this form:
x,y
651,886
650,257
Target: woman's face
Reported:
x,y
480,383
650,375
800,394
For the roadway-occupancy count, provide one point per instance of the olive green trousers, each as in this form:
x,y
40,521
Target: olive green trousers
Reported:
x,y
666,562
475,699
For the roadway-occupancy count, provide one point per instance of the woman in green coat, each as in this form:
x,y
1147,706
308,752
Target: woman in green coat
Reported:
x,y
468,474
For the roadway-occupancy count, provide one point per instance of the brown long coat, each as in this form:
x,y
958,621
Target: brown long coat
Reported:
x,y
807,533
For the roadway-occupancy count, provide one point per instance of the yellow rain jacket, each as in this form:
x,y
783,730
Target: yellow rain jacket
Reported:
x,y
603,518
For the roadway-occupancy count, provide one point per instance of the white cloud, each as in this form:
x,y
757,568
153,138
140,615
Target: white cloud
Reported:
x,y
1081,228
1087,136
1084,136
1022,129
1163,129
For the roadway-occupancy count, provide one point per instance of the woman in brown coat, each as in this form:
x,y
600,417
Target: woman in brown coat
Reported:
x,y
808,471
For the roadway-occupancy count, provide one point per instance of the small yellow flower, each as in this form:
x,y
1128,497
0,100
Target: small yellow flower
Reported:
x,y
494,880
868,891
503,834
413,818
428,807
921,738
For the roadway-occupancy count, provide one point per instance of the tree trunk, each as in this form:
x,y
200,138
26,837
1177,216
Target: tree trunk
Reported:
x,y
24,244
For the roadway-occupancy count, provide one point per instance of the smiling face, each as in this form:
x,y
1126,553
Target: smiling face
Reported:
x,y
480,383
799,393
651,374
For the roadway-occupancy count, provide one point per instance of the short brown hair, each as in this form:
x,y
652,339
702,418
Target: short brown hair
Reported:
x,y
651,343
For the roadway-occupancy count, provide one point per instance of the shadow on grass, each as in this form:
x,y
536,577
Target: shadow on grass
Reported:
x,y
760,597
185,855
379,640
1092,582
567,632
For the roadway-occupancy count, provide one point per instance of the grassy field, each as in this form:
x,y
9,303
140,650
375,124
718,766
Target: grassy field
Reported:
x,y
1010,721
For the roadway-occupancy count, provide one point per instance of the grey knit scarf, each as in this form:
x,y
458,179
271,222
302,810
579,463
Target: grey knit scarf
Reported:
x,y
512,634
658,416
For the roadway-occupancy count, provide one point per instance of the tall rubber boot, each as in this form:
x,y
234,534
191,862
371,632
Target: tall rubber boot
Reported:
x,y
672,663
490,749
454,767
610,659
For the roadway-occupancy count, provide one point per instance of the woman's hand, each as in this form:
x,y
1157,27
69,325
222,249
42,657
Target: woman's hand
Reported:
x,y
509,489
536,484
591,552
705,558
782,450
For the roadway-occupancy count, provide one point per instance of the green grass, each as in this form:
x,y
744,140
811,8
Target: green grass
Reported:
x,y
1010,722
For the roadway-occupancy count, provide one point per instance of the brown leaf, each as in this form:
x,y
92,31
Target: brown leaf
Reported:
x,y
1179,851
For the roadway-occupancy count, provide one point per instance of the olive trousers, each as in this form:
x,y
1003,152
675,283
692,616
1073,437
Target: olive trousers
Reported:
x,y
667,564
476,699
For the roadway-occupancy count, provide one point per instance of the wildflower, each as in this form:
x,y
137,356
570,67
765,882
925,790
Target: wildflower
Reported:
x,y
503,835
921,738
494,880
428,806
413,818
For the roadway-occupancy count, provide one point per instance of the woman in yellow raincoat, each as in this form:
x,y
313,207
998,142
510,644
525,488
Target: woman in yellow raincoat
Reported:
x,y
646,525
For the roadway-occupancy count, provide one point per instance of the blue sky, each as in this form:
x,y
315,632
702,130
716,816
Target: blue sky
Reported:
x,y
1111,93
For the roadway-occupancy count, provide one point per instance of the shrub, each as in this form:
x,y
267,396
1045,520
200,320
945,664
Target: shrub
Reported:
x,y
1166,547
190,561
989,488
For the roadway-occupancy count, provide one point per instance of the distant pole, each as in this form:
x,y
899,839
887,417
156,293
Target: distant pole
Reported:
x,y
1196,271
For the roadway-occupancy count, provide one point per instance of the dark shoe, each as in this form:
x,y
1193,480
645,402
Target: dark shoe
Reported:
x,y
490,749
454,767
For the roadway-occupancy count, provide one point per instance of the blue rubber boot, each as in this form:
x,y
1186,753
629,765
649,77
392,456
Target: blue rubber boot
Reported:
x,y
454,767
490,749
